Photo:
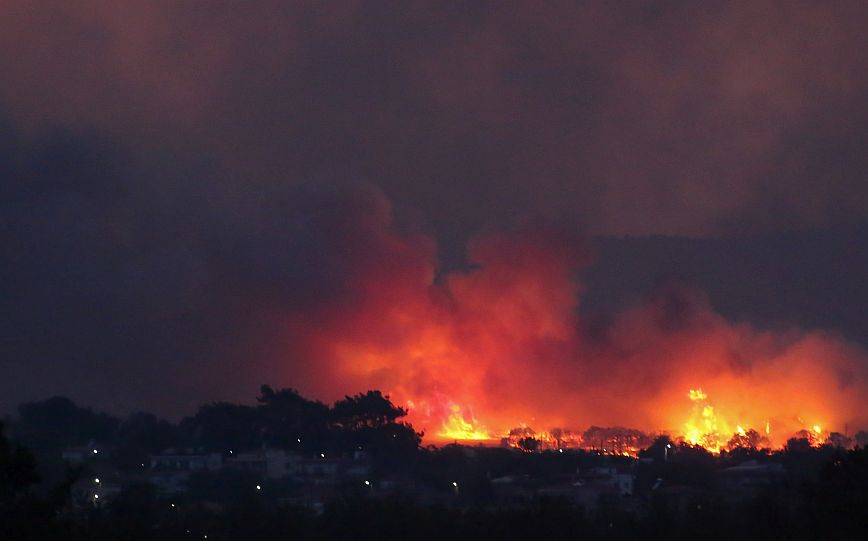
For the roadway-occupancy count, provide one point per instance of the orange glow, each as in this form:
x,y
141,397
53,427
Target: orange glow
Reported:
x,y
480,352
456,427
704,428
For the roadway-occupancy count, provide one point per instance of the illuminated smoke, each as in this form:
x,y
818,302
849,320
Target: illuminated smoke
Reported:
x,y
479,352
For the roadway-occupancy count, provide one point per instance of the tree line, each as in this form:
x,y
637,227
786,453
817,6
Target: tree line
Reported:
x,y
280,418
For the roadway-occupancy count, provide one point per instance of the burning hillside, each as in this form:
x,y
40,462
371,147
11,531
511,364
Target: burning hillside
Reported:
x,y
703,427
474,354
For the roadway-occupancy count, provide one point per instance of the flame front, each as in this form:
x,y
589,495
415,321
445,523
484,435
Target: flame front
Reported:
x,y
503,345
709,429
456,427
704,428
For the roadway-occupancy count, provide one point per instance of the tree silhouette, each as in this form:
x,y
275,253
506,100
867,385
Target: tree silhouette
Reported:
x,y
368,410
660,448
287,417
751,440
59,422
529,444
223,426
17,469
142,434
798,445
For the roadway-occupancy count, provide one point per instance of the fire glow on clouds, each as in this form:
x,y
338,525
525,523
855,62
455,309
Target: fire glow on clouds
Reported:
x,y
474,354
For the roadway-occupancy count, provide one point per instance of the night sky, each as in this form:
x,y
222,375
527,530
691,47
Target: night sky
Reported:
x,y
195,196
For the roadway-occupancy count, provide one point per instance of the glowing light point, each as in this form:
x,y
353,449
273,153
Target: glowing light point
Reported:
x,y
697,395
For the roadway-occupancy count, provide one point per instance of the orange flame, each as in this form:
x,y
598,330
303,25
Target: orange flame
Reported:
x,y
457,427
707,428
507,338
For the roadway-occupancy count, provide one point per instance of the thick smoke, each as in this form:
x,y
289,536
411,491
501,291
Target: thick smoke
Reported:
x,y
160,247
642,117
502,343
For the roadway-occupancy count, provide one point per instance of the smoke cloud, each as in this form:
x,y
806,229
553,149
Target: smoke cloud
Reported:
x,y
503,344
168,238
641,117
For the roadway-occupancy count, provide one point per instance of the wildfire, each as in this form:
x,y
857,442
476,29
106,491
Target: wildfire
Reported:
x,y
703,428
696,395
478,352
457,427
707,428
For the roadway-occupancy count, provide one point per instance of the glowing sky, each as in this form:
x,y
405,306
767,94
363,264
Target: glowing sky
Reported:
x,y
198,197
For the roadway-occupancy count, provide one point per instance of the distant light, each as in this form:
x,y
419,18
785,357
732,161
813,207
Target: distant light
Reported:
x,y
455,484
298,440
560,450
669,446
173,505
95,452
230,451
258,487
368,483
96,496
322,455
96,480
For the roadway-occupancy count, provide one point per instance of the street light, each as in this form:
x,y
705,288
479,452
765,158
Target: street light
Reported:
x,y
666,452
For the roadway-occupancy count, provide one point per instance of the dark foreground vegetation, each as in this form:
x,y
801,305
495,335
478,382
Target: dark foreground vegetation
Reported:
x,y
353,470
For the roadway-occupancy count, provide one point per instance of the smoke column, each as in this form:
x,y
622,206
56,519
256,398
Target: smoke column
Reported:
x,y
502,345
